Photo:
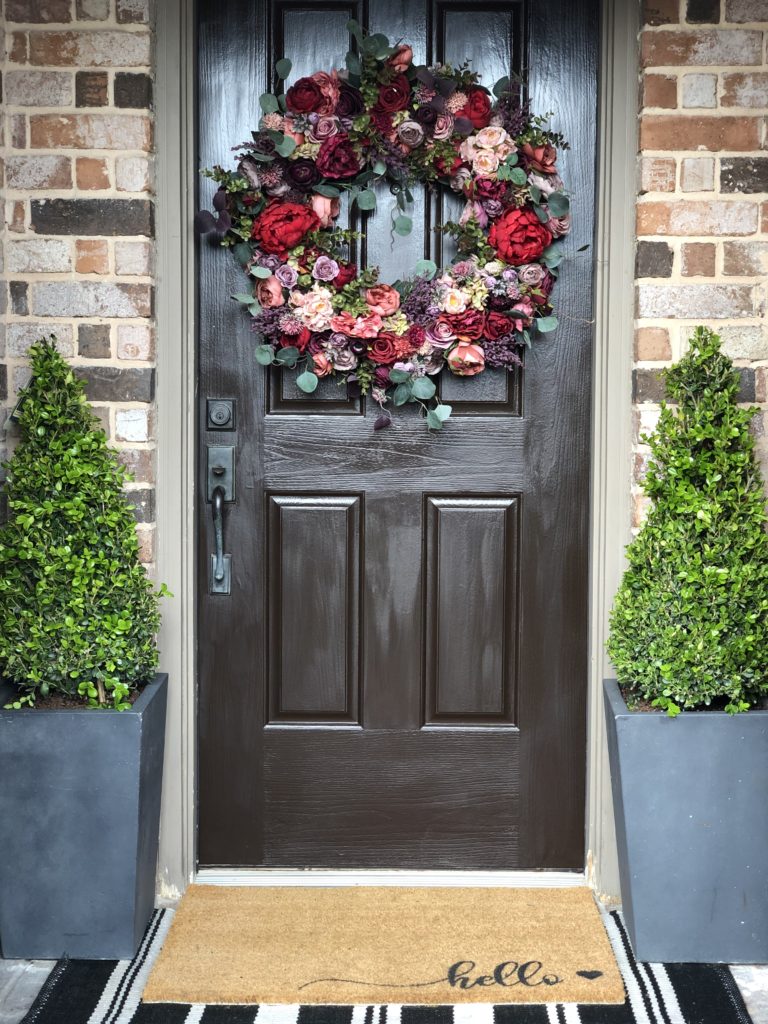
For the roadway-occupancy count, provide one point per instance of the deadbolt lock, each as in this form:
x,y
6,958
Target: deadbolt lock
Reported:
x,y
220,413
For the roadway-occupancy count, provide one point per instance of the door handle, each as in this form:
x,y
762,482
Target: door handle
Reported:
x,y
221,564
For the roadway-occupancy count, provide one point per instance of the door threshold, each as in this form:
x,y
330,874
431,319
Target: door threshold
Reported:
x,y
329,877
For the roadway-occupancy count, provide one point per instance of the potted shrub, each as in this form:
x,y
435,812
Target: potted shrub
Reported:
x,y
83,710
687,720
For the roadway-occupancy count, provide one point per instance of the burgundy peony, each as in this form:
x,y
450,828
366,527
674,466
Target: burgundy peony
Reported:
x,y
394,96
281,226
467,326
337,158
383,349
347,272
299,341
518,236
302,174
477,109
304,97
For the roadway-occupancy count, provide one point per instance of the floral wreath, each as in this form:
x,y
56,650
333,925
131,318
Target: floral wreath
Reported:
x,y
384,118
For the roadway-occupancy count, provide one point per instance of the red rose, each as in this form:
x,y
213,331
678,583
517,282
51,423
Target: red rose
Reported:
x,y
518,236
497,326
337,158
467,326
444,169
540,158
383,349
299,341
477,108
281,226
347,272
395,96
304,97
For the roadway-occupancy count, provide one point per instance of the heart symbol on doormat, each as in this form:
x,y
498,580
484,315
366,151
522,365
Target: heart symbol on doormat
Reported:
x,y
590,975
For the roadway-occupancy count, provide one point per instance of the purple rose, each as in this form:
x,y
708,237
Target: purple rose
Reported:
x,y
440,335
531,274
343,358
351,102
443,127
287,276
325,269
323,128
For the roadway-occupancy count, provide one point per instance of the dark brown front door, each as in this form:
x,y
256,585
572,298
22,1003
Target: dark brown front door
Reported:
x,y
398,678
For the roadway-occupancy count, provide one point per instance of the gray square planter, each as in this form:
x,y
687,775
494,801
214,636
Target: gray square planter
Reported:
x,y
690,797
79,822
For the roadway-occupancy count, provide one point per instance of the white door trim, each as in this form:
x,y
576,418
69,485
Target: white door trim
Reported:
x,y
176,400
322,877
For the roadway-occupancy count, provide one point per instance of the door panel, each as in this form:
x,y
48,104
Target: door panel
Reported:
x,y
398,678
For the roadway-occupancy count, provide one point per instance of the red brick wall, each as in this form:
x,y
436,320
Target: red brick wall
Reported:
x,y
77,157
702,211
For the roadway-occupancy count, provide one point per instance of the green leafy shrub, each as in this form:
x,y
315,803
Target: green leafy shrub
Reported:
x,y
689,625
77,612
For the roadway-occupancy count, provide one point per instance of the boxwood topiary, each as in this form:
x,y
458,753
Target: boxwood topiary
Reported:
x,y
689,625
78,614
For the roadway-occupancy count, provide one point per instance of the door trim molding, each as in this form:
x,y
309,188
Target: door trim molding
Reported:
x,y
176,405
328,877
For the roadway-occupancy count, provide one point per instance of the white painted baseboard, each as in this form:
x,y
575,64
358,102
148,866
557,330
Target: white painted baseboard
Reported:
x,y
328,877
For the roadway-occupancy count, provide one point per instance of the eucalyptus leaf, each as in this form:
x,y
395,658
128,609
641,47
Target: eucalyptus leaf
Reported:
x,y
283,68
559,204
425,268
443,411
262,272
424,388
307,382
501,87
399,376
288,356
241,252
329,191
353,64
265,355
402,394
354,29
268,103
518,176
542,214
433,420
366,199
286,146
403,225
545,324
379,167
245,297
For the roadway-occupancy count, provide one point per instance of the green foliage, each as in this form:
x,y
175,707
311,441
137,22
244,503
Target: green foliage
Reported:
x,y
78,614
689,625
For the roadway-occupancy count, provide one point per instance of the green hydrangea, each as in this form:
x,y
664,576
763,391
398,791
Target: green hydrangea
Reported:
x,y
78,613
689,624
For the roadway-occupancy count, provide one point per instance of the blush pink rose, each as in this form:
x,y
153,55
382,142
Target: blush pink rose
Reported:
x,y
383,299
269,292
326,209
322,364
367,326
401,59
466,359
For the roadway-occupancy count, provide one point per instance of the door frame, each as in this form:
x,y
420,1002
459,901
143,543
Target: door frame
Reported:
x,y
177,400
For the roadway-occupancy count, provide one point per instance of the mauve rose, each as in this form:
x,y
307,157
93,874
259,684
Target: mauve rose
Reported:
x,y
351,102
443,128
337,158
440,334
302,174
474,211
343,359
325,269
465,360
531,273
493,208
460,179
401,58
287,276
324,128
329,89
383,299
304,96
539,158
559,226
269,292
394,96
411,133
322,365
326,209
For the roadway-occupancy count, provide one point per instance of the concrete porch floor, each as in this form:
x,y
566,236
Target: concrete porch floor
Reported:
x,y
21,980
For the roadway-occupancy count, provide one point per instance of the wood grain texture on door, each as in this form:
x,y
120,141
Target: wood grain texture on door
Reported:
x,y
398,678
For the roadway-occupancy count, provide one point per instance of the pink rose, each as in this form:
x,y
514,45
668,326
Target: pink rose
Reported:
x,y
466,359
343,323
322,364
401,58
269,292
326,209
329,89
383,299
323,129
367,326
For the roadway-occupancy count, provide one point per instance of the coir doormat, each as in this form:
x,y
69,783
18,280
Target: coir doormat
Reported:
x,y
109,992
383,944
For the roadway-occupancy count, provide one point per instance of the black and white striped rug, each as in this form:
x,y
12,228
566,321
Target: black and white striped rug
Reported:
x,y
109,992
